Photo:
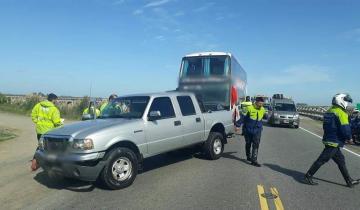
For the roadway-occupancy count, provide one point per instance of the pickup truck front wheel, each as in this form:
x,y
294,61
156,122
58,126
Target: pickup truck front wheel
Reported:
x,y
214,145
121,169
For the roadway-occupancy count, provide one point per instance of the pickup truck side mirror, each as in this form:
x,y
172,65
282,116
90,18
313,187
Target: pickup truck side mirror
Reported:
x,y
154,115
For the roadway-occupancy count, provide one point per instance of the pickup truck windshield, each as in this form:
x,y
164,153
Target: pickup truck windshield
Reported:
x,y
285,107
126,107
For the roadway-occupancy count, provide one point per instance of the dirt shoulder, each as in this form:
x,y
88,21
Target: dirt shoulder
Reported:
x,y
18,188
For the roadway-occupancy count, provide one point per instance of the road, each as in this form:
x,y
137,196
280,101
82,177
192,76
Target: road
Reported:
x,y
185,180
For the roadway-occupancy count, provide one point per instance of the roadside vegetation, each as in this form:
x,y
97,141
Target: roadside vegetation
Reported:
x,y
6,134
68,111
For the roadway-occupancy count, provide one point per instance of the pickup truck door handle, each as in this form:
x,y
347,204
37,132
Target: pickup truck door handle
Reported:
x,y
198,119
177,123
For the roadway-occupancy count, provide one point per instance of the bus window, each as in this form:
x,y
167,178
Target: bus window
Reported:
x,y
218,66
193,67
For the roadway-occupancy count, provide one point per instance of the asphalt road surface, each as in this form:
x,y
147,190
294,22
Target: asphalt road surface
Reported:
x,y
185,180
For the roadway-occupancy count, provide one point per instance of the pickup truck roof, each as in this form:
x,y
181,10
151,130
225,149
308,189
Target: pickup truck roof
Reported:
x,y
162,94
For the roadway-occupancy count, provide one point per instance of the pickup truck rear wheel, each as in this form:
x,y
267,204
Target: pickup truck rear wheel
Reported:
x,y
214,145
121,168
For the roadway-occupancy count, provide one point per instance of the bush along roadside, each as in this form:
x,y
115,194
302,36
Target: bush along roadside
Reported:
x,y
6,134
67,111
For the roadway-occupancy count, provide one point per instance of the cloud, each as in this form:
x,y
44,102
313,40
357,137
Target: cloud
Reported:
x,y
160,37
205,7
179,13
152,4
160,19
138,12
156,3
118,2
298,74
164,24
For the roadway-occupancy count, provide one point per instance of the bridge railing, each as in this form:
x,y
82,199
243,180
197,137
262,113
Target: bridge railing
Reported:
x,y
314,112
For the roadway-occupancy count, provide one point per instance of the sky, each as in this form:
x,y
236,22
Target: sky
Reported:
x,y
309,50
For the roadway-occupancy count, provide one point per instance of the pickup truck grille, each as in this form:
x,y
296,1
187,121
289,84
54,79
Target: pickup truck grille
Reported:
x,y
55,144
286,117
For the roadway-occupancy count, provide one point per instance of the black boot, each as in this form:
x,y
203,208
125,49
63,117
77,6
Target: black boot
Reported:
x,y
254,157
309,175
308,179
247,150
255,163
351,183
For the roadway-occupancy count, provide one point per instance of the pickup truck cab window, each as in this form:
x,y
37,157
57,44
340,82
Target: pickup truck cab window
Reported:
x,y
186,105
164,105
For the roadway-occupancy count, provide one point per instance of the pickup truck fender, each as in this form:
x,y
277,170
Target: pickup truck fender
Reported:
x,y
128,143
217,127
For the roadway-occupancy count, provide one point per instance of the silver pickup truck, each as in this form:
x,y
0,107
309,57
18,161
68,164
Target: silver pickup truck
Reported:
x,y
131,128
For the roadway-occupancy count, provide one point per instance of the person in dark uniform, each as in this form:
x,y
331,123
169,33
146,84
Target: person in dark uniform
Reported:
x,y
252,120
337,132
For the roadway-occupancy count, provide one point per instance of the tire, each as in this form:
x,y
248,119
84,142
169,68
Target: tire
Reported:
x,y
120,170
214,146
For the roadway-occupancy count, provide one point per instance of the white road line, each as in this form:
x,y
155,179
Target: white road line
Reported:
x,y
310,132
346,149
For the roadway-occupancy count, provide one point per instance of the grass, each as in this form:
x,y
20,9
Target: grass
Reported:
x,y
13,109
17,109
6,134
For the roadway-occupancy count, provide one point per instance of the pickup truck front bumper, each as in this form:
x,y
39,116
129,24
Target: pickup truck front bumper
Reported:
x,y
85,167
286,121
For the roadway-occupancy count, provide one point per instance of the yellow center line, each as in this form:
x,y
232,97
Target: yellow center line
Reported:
x,y
278,203
263,202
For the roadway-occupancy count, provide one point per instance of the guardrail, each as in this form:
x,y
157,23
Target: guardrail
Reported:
x,y
314,112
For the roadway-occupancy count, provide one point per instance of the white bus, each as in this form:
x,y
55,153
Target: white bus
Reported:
x,y
216,78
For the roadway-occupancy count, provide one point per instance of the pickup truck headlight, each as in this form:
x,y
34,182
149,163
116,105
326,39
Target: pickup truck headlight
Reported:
x,y
83,144
296,116
41,143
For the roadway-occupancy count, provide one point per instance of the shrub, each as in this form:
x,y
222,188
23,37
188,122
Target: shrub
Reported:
x,y
3,99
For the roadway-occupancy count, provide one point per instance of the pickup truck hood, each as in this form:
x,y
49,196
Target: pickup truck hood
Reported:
x,y
85,128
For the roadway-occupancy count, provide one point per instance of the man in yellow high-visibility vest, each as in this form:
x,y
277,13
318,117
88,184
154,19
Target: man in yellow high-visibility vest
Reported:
x,y
46,116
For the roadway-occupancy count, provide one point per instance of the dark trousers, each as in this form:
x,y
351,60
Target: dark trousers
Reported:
x,y
336,155
38,138
252,144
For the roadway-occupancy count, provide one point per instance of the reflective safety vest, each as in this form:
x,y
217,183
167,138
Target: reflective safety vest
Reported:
x,y
336,127
244,106
102,107
87,111
46,116
252,120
